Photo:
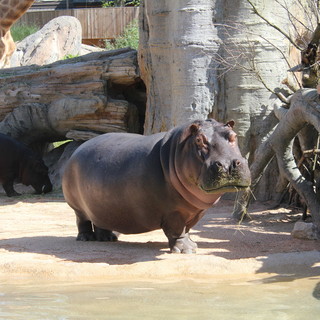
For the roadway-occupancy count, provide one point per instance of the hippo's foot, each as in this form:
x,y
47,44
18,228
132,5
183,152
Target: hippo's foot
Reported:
x,y
13,194
8,188
104,235
184,245
10,192
86,236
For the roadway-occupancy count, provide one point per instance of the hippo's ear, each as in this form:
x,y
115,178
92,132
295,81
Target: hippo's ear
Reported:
x,y
230,124
192,130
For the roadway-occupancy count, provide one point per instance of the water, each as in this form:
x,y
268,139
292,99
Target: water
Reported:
x,y
270,298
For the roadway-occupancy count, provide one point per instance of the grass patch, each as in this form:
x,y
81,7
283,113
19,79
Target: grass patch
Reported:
x,y
129,38
20,31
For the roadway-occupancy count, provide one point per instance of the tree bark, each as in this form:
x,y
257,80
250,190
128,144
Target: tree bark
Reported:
x,y
76,98
175,59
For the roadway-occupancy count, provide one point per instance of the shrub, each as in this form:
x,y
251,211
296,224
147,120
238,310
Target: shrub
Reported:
x,y
129,38
120,3
20,31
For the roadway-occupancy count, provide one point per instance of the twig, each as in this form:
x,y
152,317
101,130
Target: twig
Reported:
x,y
273,25
310,153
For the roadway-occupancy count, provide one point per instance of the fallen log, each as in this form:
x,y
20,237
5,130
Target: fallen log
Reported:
x,y
75,98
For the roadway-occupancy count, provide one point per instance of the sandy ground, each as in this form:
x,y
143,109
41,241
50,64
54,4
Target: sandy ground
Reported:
x,y
37,241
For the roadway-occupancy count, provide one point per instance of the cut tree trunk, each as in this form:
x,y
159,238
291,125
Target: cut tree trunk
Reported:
x,y
76,98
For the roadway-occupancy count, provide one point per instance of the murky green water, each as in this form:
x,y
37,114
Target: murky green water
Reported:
x,y
269,298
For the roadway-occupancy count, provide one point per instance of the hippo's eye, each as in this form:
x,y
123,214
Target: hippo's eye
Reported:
x,y
202,145
201,142
232,137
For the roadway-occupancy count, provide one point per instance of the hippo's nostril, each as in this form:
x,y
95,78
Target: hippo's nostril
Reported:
x,y
236,163
218,164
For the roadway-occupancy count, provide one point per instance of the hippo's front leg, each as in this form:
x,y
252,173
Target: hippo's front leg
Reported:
x,y
178,236
183,244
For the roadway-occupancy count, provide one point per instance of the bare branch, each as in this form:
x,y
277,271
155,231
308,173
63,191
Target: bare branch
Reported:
x,y
303,109
273,25
311,153
316,36
286,60
241,57
294,20
314,5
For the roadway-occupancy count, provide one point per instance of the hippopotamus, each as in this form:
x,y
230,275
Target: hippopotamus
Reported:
x,y
20,163
131,183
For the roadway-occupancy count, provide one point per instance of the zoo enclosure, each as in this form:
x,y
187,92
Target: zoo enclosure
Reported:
x,y
97,23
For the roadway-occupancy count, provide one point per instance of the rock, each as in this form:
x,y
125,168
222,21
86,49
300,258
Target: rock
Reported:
x,y
58,38
85,49
304,230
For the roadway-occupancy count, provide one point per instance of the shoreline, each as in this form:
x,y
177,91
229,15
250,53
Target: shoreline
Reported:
x,y
37,242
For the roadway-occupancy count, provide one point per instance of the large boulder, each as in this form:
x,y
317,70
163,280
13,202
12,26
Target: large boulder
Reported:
x,y
58,38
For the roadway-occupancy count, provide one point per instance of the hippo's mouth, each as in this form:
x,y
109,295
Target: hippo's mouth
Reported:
x,y
223,189
225,183
45,188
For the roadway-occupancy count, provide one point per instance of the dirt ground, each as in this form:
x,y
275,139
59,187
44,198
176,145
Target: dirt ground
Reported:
x,y
37,241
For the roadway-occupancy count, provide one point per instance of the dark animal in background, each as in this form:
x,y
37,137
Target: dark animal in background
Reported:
x,y
131,183
18,163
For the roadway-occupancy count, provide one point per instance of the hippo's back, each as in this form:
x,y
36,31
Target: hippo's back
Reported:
x,y
108,175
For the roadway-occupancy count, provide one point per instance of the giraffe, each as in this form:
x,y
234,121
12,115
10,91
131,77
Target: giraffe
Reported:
x,y
10,12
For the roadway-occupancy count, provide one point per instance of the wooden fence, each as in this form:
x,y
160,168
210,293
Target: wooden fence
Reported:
x,y
97,23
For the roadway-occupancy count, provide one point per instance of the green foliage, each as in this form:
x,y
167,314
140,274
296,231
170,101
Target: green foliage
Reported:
x,y
134,3
129,38
70,56
120,3
20,31
107,4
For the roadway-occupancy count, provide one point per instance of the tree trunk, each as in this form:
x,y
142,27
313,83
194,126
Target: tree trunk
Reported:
x,y
175,59
75,99
214,58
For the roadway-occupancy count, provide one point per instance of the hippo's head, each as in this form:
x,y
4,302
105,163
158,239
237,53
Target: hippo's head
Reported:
x,y
208,162
223,168
35,173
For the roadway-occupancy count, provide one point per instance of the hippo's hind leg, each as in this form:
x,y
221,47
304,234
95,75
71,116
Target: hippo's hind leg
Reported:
x,y
89,232
104,235
85,231
9,190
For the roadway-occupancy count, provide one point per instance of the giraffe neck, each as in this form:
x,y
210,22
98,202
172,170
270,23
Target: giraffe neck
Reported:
x,y
11,11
